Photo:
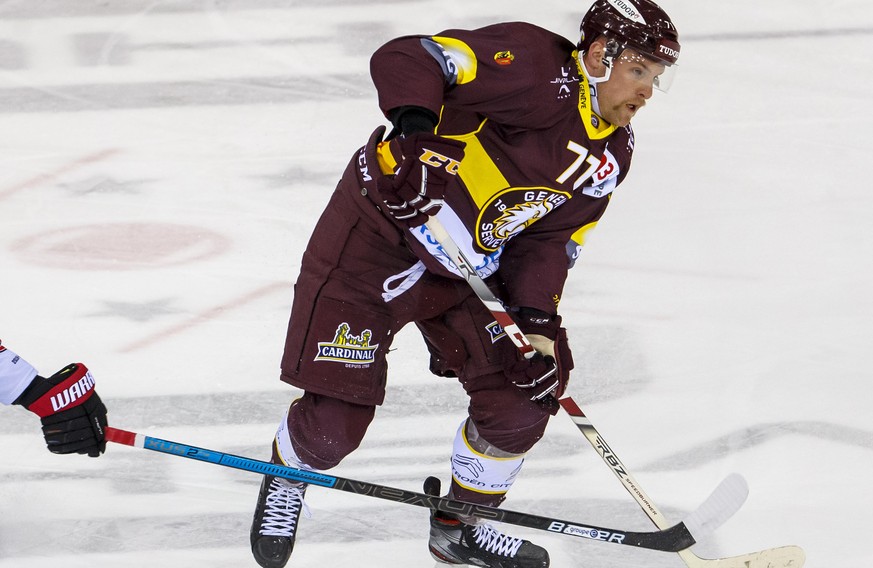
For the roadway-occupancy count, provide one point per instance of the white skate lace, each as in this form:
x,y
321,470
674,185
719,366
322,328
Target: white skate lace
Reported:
x,y
282,509
493,541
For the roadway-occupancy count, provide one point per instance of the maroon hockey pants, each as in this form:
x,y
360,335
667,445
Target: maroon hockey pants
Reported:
x,y
358,286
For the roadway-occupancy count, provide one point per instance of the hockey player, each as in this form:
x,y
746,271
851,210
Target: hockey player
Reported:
x,y
514,138
73,416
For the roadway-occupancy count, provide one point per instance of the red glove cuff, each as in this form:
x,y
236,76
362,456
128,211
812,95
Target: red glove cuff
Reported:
x,y
73,390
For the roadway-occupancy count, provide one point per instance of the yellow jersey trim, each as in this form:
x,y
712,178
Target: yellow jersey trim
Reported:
x,y
478,171
581,236
595,125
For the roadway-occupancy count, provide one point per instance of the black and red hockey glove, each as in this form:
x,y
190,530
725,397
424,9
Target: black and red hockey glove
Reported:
x,y
73,416
427,163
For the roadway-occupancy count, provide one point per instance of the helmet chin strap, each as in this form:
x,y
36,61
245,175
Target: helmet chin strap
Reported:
x,y
594,81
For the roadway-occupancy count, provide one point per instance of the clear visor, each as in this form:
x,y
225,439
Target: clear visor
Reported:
x,y
650,71
664,81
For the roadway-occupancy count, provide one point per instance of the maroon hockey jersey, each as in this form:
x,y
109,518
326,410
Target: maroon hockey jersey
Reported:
x,y
539,165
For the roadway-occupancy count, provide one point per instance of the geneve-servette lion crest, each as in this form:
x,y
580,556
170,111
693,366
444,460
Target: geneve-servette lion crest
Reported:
x,y
511,211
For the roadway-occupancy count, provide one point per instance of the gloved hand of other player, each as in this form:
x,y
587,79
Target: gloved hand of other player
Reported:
x,y
73,416
427,164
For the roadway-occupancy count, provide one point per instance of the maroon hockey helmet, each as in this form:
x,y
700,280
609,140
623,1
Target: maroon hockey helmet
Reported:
x,y
639,24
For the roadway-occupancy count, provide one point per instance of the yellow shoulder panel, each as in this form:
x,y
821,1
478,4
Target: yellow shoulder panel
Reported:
x,y
462,55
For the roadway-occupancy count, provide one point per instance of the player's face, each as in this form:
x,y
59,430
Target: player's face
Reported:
x,y
630,85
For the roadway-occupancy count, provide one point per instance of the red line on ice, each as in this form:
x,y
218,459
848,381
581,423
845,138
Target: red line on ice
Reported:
x,y
47,177
205,316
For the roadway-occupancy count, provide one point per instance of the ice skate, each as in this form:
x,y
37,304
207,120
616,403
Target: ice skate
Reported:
x,y
274,527
455,542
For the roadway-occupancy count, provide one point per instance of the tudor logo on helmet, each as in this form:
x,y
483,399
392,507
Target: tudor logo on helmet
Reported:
x,y
668,51
628,10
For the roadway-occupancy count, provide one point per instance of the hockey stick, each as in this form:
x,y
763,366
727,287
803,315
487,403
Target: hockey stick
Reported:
x,y
671,539
481,289
782,557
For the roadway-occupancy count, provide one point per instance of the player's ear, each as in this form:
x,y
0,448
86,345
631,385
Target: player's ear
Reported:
x,y
594,58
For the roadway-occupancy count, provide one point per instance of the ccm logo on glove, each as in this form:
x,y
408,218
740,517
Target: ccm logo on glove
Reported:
x,y
431,158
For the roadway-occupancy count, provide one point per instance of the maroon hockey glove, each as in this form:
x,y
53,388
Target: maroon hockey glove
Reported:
x,y
73,416
537,322
427,164
544,377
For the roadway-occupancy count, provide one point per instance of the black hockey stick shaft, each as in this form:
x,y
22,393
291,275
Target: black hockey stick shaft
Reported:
x,y
672,539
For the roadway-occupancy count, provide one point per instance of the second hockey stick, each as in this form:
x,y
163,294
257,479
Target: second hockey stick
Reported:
x,y
781,557
672,539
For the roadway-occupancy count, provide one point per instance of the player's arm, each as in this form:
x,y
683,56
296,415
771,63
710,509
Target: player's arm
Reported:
x,y
415,77
15,375
411,84
460,69
406,76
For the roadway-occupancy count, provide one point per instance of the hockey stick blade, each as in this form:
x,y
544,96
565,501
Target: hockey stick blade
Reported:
x,y
726,500
670,539
781,557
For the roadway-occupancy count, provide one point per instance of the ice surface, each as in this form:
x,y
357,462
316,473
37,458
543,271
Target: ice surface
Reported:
x,y
162,164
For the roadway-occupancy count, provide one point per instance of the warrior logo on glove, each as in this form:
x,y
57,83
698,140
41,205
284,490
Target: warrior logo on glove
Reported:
x,y
64,394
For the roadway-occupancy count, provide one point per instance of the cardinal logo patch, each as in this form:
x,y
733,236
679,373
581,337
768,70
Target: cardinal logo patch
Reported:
x,y
513,210
348,348
495,331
